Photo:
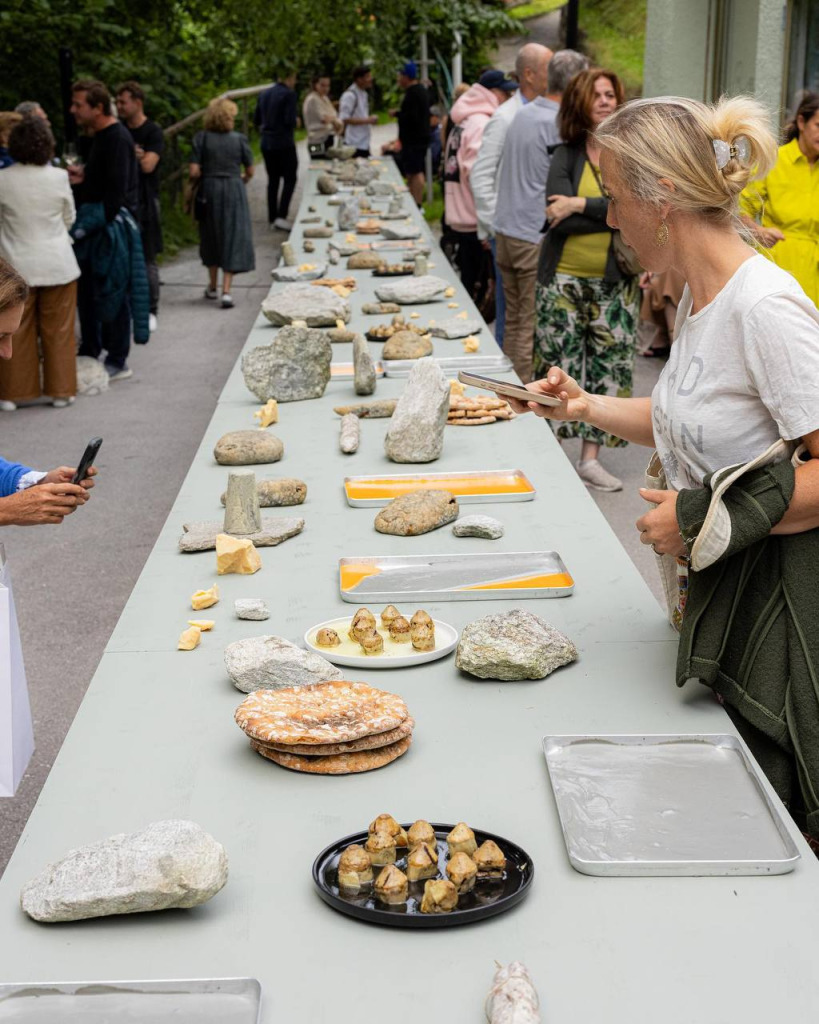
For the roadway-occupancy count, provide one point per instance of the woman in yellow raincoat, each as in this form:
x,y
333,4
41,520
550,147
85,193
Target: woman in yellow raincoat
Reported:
x,y
782,210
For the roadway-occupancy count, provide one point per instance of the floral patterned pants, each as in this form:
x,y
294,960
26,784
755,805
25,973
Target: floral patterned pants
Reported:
x,y
587,327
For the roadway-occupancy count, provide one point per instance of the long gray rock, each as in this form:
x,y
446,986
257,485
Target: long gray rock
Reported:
x,y
416,432
418,512
364,367
455,327
168,864
350,434
248,447
278,493
294,367
201,536
411,290
317,307
293,274
513,645
271,663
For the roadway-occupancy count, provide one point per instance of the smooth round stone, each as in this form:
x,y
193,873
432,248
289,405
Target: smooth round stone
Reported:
x,y
248,448
417,512
407,345
479,526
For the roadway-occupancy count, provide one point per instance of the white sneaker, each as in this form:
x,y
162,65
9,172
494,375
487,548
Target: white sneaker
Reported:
x,y
227,301
282,224
8,406
62,403
595,476
152,322
211,293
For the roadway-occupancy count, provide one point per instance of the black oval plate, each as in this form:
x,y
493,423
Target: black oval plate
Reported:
x,y
485,900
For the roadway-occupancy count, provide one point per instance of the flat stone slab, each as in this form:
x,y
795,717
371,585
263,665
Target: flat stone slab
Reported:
x,y
455,327
252,608
201,536
248,447
478,526
417,512
317,307
167,864
400,231
513,645
380,188
291,274
271,663
411,290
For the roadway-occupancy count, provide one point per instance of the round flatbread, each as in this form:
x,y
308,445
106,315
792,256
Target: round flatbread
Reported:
x,y
336,764
381,739
337,711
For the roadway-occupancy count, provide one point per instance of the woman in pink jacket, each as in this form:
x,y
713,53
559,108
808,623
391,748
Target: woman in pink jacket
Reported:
x,y
469,116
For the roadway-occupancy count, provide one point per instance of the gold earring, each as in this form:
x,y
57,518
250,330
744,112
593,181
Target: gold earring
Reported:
x,y
661,238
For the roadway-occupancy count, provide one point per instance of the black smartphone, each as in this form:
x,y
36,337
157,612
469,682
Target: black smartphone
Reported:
x,y
87,460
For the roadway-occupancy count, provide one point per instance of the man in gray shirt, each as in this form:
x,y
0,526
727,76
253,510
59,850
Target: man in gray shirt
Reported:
x,y
521,206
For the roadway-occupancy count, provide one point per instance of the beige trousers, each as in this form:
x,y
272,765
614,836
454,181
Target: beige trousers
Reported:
x,y
49,316
518,266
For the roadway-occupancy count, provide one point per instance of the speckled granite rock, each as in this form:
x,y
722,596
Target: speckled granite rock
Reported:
x,y
364,367
417,426
167,864
407,345
271,663
348,214
513,645
294,367
479,526
417,512
252,608
278,493
248,447
317,307
411,290
455,327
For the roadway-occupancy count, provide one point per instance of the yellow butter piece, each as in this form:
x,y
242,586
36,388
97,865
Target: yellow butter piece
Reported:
x,y
456,387
269,413
350,237
461,316
452,305
206,625
414,316
449,292
236,554
340,290
189,638
306,266
471,344
340,325
431,266
205,598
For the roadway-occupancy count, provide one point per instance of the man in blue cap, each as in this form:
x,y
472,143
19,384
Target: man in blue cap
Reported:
x,y
413,129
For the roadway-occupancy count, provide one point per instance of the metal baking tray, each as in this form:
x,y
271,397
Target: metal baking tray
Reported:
x,y
666,805
346,371
496,363
484,576
196,1001
485,900
485,485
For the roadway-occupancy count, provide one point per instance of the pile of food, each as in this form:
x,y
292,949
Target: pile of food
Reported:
x,y
446,874
478,411
394,270
332,728
384,331
418,631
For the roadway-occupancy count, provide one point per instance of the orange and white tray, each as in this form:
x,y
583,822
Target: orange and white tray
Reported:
x,y
488,485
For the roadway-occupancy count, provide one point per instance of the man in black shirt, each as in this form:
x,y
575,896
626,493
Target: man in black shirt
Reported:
x,y
413,129
110,177
275,118
149,142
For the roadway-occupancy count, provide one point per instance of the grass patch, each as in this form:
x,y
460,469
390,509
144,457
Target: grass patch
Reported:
x,y
435,210
178,229
535,9
614,36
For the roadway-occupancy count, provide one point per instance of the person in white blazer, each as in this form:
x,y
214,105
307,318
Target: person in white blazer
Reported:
x,y
36,211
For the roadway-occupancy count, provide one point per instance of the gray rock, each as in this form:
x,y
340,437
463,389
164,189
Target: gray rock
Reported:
x,y
242,515
348,214
317,307
455,327
252,608
380,188
400,231
320,232
341,335
288,256
278,493
364,367
295,366
292,274
341,152
326,185
271,663
377,308
417,427
421,265
417,512
248,447
365,174
364,261
396,206
512,645
379,410
92,378
412,290
168,864
309,245
310,220
479,526
201,536
407,345
333,255
350,435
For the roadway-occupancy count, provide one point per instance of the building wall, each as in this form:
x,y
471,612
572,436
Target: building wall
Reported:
x,y
676,55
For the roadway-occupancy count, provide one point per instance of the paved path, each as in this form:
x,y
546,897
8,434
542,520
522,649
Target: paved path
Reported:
x,y
544,30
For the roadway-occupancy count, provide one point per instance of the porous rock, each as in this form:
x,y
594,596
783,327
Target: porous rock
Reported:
x,y
295,366
479,526
417,512
271,663
326,184
319,232
167,864
381,409
92,377
248,447
365,174
317,307
400,231
416,431
364,261
292,274
411,290
342,335
455,327
277,493
513,645
252,608
201,536
407,345
363,366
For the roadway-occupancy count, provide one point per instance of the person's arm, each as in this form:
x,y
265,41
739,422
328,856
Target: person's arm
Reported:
x,y
803,510
150,153
246,159
290,110
195,165
483,180
568,213
257,113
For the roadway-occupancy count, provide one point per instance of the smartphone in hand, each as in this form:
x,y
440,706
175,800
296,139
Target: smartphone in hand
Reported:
x,y
507,390
87,460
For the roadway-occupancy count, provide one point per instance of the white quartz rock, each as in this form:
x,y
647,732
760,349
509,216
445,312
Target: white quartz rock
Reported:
x,y
251,608
271,663
512,645
478,526
168,864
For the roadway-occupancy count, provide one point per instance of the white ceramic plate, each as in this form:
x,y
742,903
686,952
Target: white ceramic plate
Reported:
x,y
395,655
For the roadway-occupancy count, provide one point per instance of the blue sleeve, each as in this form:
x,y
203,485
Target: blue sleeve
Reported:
x,y
10,473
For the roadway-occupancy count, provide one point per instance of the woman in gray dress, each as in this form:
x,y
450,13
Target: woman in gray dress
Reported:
x,y
223,160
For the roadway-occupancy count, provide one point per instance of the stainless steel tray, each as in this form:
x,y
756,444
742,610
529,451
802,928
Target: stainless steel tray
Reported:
x,y
494,363
346,371
485,485
666,805
462,577
197,1001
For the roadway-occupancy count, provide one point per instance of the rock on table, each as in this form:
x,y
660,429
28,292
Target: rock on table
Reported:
x,y
412,290
271,663
317,307
294,367
417,512
417,427
407,345
247,448
513,645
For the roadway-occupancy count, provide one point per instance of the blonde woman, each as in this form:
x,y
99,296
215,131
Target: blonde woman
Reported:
x,y
742,377
223,160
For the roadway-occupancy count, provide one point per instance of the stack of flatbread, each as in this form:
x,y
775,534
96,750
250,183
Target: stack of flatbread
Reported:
x,y
332,728
478,411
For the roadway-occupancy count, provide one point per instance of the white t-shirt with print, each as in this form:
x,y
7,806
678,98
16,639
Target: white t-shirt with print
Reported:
x,y
743,372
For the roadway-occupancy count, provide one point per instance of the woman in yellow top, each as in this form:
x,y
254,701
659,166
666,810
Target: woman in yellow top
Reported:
x,y
586,306
782,210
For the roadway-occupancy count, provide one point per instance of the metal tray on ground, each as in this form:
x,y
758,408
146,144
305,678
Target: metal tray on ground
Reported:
x,y
215,1000
451,364
484,576
486,485
485,900
346,371
665,805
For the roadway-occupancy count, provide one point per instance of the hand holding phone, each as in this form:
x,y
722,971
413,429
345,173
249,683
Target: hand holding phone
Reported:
x,y
87,460
506,389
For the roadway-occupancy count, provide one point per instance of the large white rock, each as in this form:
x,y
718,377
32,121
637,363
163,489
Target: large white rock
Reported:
x,y
411,290
512,645
168,864
416,432
271,663
317,307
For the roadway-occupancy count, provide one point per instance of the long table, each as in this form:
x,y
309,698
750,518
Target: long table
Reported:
x,y
155,738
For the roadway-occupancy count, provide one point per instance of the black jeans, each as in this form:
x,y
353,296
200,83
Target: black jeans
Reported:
x,y
113,337
282,166
468,258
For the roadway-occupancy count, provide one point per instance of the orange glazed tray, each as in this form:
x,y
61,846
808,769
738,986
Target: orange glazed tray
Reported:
x,y
478,487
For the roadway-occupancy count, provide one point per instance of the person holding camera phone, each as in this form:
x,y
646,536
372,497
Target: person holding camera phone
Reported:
x,y
29,497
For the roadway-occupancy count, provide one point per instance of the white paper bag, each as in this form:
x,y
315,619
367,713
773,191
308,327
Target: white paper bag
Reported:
x,y
16,729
